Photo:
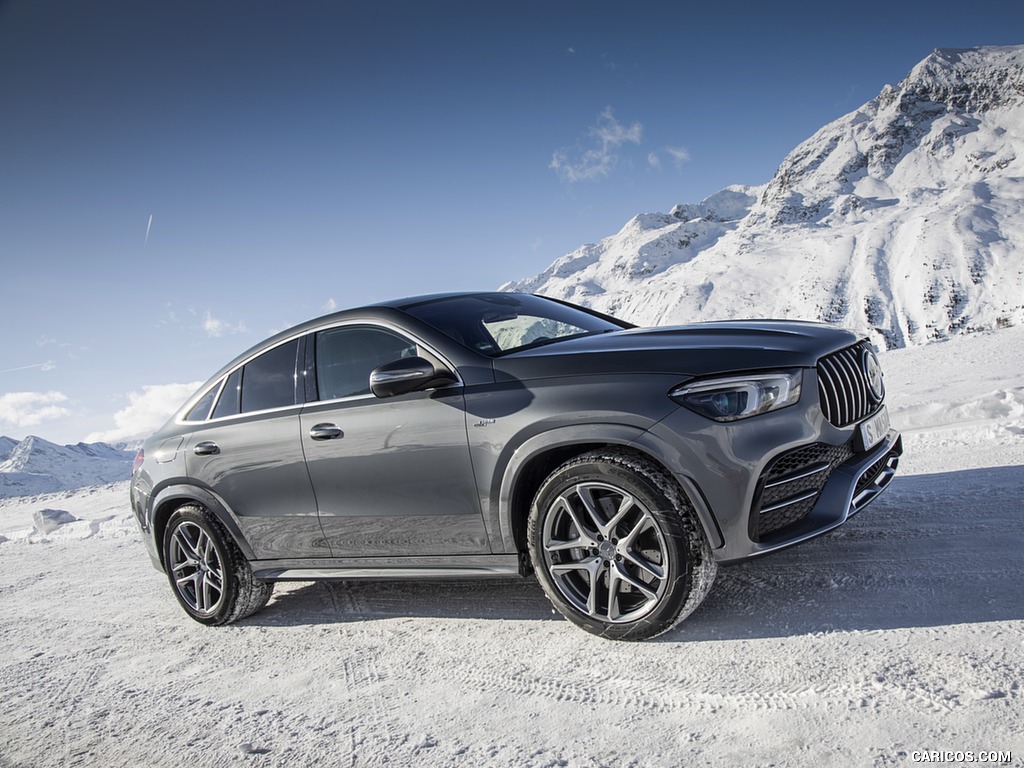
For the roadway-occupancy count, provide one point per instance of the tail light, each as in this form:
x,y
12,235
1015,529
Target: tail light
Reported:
x,y
139,458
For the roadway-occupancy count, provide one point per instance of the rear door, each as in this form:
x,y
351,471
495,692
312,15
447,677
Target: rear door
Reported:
x,y
248,453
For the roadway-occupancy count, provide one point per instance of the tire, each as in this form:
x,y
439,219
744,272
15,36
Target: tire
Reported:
x,y
208,574
617,546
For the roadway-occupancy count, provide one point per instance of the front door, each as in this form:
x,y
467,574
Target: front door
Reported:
x,y
392,477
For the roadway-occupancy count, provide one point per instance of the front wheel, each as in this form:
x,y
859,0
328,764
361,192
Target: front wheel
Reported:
x,y
208,573
617,547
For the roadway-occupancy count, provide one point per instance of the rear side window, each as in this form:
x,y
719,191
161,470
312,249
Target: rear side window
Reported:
x,y
230,396
201,409
345,357
269,380
265,382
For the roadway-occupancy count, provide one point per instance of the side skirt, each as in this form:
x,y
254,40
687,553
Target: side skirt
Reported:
x,y
388,568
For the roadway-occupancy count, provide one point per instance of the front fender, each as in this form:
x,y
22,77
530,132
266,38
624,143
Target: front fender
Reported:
x,y
598,434
511,474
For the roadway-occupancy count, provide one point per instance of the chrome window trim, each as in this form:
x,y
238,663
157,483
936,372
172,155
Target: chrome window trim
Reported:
x,y
393,329
311,333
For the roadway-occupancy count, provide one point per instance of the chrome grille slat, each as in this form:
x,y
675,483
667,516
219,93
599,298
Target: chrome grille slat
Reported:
x,y
850,379
798,476
844,375
859,381
843,386
829,390
805,496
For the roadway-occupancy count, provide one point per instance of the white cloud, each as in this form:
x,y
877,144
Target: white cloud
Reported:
x,y
678,156
330,306
596,161
146,412
216,327
29,409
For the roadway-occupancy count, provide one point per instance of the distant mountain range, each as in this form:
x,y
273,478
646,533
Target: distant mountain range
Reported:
x,y
903,219
33,465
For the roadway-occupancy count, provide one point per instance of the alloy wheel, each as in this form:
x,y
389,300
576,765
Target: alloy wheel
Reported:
x,y
196,568
605,552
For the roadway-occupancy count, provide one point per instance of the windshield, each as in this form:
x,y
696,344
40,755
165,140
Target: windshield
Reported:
x,y
498,323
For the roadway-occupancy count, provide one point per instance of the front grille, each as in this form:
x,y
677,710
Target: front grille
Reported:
x,y
843,386
789,487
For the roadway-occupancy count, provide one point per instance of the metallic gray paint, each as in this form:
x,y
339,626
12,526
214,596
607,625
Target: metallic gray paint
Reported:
x,y
435,475
260,473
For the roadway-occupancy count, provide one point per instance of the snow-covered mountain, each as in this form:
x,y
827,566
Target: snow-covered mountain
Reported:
x,y
34,466
903,219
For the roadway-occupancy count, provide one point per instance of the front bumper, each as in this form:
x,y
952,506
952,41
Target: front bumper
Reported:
x,y
850,487
743,476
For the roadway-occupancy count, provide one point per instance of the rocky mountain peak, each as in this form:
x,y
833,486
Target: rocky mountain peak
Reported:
x,y
903,219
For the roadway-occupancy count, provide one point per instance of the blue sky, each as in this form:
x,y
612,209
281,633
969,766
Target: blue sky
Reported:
x,y
180,179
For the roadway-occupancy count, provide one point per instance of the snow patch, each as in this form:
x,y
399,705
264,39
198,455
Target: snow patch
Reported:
x,y
49,520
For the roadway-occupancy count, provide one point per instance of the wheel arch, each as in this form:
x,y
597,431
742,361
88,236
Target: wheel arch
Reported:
x,y
539,456
172,497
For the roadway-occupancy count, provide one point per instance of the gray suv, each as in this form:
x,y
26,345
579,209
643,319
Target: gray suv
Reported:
x,y
495,434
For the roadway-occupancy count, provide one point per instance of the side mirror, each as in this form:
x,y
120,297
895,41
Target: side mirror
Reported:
x,y
408,374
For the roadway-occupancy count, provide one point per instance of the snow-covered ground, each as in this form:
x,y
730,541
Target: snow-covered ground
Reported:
x,y
899,633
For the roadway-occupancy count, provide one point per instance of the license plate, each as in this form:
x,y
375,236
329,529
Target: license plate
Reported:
x,y
874,429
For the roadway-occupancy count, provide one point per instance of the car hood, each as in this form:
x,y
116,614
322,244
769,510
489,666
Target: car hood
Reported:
x,y
688,350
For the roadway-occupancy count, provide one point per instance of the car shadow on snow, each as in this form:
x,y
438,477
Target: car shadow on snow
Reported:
x,y
933,550
332,602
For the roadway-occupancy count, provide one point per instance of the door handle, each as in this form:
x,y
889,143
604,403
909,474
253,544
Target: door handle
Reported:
x,y
325,432
206,448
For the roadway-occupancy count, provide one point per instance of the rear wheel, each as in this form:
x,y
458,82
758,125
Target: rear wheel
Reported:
x,y
209,576
617,547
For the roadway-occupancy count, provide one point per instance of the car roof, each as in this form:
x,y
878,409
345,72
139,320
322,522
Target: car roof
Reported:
x,y
383,310
411,301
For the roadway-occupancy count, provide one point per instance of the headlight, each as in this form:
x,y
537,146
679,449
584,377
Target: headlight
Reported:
x,y
739,397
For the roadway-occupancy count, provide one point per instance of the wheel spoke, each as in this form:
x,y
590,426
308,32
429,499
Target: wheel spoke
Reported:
x,y
202,593
625,505
643,524
189,547
583,533
617,577
642,562
586,495
209,591
590,566
621,574
557,546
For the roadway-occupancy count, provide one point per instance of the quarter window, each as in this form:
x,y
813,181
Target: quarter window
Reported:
x,y
269,380
346,356
201,409
229,396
